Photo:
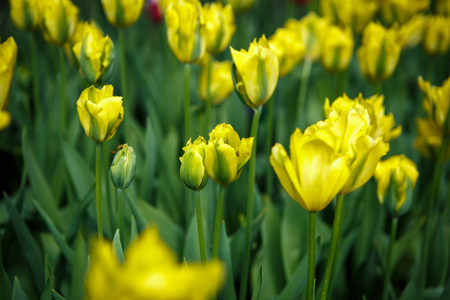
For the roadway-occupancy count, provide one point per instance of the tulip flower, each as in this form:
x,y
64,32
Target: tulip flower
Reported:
x,y
185,30
401,11
396,178
437,102
240,5
150,271
100,112
337,49
122,13
429,138
221,82
411,33
59,18
94,53
219,26
5,119
379,53
436,38
443,7
123,167
255,73
8,55
226,154
192,170
288,46
381,125
25,14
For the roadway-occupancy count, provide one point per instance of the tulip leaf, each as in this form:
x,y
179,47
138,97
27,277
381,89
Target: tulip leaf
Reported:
x,y
257,289
78,267
57,296
446,291
191,249
78,213
5,284
150,159
228,291
117,247
47,293
134,231
412,289
18,292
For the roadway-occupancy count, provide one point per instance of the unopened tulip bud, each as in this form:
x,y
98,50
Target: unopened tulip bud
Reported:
x,y
123,167
192,170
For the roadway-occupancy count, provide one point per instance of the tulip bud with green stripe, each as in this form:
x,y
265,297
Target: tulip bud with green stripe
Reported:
x,y
123,167
192,170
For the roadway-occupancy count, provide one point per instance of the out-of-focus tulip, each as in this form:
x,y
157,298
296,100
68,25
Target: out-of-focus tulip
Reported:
x,y
95,53
122,13
437,102
186,30
123,167
192,170
380,124
154,11
221,83
226,154
255,73
379,53
411,33
100,112
337,49
5,119
240,5
219,26
355,14
396,178
401,11
443,7
314,174
150,271
288,46
59,18
429,138
8,55
25,14
436,38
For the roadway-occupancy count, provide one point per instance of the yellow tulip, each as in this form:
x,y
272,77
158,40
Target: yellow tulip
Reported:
x,y
100,112
443,7
5,119
186,30
337,49
150,271
401,11
240,5
255,73
221,83
352,13
122,13
437,102
59,18
429,138
123,167
219,26
226,154
379,53
411,33
436,38
25,14
192,170
287,44
8,55
313,175
396,178
94,54
381,125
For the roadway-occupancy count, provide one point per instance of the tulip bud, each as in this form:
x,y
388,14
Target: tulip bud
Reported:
x,y
219,26
437,102
437,35
396,178
220,85
337,49
288,46
25,14
192,170
123,167
401,11
8,55
411,33
122,13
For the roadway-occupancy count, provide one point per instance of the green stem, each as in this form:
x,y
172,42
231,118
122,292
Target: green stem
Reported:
x,y
208,96
201,236
269,141
123,69
98,190
333,245
311,256
387,275
218,221
251,187
187,72
306,72
379,88
34,71
120,208
62,63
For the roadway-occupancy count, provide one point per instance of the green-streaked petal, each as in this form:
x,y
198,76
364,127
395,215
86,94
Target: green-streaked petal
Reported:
x,y
221,162
192,170
245,151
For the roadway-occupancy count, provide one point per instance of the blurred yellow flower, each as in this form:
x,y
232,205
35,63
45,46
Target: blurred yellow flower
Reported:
x,y
401,11
186,30
379,52
94,54
25,14
380,124
255,73
192,170
226,154
411,32
437,102
100,112
219,26
59,18
429,138
396,178
5,119
150,271
352,13
443,7
122,13
8,55
240,5
287,44
221,82
337,49
436,38
314,174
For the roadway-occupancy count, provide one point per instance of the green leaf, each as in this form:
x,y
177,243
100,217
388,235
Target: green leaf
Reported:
x,y
78,268
57,296
446,291
134,231
150,159
257,289
412,289
228,292
80,208
191,249
5,284
117,247
18,293
47,293
65,249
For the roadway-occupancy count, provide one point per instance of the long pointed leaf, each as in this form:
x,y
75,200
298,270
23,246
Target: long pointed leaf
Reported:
x,y
228,292
18,291
257,289
78,268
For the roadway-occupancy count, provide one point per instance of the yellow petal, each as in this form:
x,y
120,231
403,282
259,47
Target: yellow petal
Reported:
x,y
221,162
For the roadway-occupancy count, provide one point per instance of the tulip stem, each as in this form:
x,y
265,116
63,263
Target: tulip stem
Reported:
x,y
269,171
218,221
120,208
302,92
187,72
311,256
62,64
251,186
336,232
34,70
123,70
201,236
208,95
98,190
387,274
